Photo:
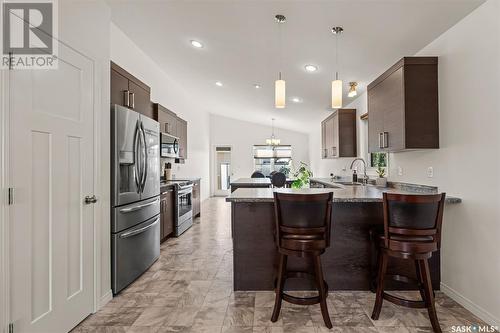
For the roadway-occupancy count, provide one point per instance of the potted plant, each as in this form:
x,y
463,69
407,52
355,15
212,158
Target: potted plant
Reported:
x,y
302,176
381,180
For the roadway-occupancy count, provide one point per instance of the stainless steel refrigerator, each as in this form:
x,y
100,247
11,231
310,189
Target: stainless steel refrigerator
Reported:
x,y
135,195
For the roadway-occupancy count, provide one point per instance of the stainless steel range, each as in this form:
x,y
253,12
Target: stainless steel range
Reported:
x,y
183,205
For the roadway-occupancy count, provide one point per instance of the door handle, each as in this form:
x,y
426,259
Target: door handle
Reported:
x,y
90,199
137,170
139,231
380,140
132,100
386,140
126,98
138,207
145,162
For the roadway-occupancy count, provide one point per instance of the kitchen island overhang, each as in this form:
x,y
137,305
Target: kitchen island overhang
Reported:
x,y
349,263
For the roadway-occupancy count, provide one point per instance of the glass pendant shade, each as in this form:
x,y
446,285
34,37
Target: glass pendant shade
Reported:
x,y
336,94
279,94
352,91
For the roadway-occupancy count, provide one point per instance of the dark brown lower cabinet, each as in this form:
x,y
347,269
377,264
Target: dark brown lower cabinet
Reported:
x,y
196,198
167,210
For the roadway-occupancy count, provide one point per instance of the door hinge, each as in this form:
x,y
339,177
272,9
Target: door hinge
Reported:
x,y
11,196
11,328
11,60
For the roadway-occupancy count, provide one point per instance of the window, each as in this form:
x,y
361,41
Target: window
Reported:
x,y
272,158
378,160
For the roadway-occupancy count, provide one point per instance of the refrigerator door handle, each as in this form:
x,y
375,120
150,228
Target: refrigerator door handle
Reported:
x,y
139,231
139,207
137,171
145,161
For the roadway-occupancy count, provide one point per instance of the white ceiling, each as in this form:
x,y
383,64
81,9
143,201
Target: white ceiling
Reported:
x,y
241,47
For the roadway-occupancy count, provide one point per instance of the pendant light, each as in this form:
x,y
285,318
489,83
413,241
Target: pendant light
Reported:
x,y
273,141
280,85
337,84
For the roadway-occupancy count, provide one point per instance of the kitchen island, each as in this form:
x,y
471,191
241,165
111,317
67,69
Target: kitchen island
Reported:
x,y
349,263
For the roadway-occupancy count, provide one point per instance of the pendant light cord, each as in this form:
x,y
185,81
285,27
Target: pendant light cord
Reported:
x,y
336,57
280,32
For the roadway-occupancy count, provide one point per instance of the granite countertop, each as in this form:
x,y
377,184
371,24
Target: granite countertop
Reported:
x,y
251,181
341,193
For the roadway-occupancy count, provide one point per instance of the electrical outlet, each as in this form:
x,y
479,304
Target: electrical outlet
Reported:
x,y
400,171
430,172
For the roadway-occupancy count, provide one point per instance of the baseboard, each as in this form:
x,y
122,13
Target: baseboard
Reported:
x,y
471,306
108,296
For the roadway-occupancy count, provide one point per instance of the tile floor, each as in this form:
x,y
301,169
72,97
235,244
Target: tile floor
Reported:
x,y
189,289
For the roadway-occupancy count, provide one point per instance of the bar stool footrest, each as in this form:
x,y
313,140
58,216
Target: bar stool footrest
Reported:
x,y
301,300
404,302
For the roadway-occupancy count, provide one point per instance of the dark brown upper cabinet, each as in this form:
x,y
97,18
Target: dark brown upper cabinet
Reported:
x,y
128,91
403,106
338,134
168,120
170,123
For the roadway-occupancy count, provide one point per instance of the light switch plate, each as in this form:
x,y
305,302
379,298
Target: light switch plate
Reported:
x,y
400,171
430,172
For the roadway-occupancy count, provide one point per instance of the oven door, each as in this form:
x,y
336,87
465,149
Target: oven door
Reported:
x,y
184,204
169,146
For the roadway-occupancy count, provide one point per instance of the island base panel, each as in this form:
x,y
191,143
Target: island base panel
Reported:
x,y
348,264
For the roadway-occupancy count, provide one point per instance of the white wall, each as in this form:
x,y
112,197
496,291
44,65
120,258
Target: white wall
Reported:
x,y
243,135
169,94
469,85
467,163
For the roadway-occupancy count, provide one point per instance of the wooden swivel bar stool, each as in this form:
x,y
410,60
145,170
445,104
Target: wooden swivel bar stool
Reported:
x,y
412,231
303,224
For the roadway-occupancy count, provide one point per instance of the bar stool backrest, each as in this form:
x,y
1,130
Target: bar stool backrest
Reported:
x,y
303,221
413,218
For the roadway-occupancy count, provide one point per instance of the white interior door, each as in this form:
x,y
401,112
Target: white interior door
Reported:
x,y
222,170
51,226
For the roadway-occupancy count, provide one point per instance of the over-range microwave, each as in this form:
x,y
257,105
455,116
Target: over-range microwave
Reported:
x,y
169,146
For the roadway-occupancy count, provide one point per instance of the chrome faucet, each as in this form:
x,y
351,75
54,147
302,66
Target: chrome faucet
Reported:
x,y
364,181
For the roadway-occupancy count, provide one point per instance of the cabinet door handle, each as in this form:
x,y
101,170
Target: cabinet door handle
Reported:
x,y
126,98
132,100
380,139
386,139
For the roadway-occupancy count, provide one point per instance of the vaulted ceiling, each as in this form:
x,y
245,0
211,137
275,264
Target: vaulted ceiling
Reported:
x,y
241,47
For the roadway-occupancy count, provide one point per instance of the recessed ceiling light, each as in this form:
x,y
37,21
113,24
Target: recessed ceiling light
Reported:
x,y
196,44
311,68
296,99
218,84
257,86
